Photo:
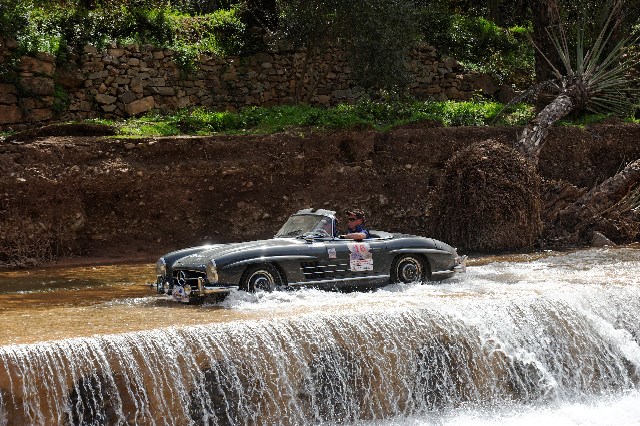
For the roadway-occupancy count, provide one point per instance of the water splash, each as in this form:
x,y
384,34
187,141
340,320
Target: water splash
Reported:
x,y
539,333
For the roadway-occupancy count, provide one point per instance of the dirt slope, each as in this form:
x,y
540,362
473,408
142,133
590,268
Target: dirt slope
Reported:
x,y
118,198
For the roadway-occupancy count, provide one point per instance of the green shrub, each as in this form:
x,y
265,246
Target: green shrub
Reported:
x,y
115,24
14,17
221,32
187,56
481,45
52,26
364,114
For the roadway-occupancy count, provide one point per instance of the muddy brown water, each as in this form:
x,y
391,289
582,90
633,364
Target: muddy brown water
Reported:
x,y
58,303
61,303
51,304
519,338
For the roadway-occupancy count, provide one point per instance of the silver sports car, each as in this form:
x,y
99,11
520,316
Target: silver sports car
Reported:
x,y
305,252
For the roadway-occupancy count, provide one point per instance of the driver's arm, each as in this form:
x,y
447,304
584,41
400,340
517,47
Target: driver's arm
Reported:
x,y
354,236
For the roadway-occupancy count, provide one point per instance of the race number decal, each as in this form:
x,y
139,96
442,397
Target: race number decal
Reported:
x,y
179,294
360,258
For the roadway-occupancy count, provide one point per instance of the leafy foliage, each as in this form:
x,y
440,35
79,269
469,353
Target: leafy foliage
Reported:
x,y
52,26
380,34
480,44
598,71
377,35
218,32
14,17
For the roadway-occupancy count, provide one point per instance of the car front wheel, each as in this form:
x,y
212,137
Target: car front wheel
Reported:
x,y
409,268
260,278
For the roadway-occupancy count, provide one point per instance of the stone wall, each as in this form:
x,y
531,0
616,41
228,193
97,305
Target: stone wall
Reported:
x,y
123,81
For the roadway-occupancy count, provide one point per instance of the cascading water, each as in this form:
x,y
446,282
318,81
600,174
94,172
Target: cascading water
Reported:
x,y
561,329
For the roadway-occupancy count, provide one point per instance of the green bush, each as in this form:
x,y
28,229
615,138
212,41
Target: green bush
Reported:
x,y
14,17
115,24
220,32
52,26
364,114
481,45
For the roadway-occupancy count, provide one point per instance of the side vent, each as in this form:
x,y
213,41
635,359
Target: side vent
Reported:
x,y
312,270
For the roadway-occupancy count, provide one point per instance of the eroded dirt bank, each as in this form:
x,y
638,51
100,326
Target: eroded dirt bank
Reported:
x,y
119,198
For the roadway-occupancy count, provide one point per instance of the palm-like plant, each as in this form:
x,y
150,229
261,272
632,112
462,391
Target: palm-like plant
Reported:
x,y
599,79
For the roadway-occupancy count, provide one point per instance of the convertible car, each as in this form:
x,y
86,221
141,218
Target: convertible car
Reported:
x,y
305,253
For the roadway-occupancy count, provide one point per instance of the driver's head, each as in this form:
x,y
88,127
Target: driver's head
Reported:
x,y
355,216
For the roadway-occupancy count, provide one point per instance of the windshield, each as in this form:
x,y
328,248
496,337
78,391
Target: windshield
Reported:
x,y
299,225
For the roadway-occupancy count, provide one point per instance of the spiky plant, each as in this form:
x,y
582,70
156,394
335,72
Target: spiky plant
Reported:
x,y
598,79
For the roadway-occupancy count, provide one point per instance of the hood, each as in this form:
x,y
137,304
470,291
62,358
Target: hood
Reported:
x,y
217,252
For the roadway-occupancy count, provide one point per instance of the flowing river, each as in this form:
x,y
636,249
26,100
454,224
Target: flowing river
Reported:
x,y
552,337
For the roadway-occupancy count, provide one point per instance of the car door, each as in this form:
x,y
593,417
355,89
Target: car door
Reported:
x,y
346,262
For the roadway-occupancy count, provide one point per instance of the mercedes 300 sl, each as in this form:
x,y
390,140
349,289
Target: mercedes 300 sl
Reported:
x,y
305,253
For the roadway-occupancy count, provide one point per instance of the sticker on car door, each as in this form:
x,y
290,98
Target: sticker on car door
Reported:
x,y
360,258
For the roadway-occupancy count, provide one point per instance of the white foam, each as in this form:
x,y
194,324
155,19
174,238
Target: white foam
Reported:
x,y
621,409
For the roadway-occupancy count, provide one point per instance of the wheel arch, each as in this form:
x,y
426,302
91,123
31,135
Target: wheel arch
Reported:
x,y
248,264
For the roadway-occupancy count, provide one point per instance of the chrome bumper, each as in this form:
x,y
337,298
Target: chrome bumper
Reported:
x,y
204,289
162,287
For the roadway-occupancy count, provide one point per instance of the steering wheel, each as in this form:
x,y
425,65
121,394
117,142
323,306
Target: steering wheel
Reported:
x,y
318,233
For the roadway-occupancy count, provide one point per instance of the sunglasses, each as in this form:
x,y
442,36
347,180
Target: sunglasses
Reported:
x,y
352,219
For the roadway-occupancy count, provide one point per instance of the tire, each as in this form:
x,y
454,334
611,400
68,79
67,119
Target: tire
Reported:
x,y
409,269
263,277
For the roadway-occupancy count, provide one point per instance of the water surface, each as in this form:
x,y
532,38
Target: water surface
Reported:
x,y
549,337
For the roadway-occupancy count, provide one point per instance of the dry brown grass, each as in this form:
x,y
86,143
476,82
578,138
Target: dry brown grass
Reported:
x,y
487,200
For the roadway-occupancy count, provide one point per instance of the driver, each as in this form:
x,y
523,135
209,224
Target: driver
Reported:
x,y
355,225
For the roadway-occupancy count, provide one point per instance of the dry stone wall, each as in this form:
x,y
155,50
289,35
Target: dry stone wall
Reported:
x,y
124,81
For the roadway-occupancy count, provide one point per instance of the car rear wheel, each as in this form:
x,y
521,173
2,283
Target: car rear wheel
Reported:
x,y
260,278
409,268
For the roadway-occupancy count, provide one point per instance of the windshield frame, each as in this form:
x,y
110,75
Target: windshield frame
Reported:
x,y
299,225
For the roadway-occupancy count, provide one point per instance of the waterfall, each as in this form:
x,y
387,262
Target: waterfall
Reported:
x,y
337,366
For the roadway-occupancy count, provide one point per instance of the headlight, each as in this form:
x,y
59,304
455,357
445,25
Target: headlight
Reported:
x,y
212,272
161,267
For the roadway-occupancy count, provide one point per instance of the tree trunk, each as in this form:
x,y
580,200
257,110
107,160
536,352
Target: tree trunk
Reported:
x,y
494,12
545,14
533,136
602,198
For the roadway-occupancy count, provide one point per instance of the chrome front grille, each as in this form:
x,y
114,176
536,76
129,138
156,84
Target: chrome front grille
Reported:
x,y
185,277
